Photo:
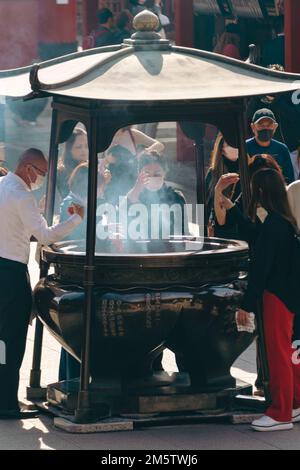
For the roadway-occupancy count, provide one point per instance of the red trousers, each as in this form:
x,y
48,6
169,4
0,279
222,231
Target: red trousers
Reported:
x,y
284,373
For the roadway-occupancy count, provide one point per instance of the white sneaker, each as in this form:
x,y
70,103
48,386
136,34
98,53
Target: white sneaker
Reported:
x,y
265,424
296,416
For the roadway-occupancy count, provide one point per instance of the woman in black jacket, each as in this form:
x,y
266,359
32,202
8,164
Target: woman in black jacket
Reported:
x,y
228,213
270,268
231,213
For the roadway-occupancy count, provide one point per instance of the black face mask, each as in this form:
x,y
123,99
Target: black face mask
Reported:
x,y
265,135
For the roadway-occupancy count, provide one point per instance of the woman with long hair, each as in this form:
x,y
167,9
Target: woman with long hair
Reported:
x,y
76,152
152,191
224,160
231,213
228,211
270,268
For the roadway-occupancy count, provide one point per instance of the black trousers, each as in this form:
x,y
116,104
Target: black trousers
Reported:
x,y
15,309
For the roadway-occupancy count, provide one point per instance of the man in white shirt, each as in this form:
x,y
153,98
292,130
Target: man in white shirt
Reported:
x,y
20,220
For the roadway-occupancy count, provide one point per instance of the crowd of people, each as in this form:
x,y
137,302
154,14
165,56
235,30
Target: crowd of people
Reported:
x,y
274,122
134,167
271,230
133,170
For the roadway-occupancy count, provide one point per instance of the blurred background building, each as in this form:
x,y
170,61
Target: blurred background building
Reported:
x,y
33,30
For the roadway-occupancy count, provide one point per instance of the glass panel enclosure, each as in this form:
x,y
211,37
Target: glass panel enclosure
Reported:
x,y
147,190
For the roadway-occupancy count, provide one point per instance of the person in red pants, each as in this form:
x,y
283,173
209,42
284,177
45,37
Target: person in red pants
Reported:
x,y
284,370
269,282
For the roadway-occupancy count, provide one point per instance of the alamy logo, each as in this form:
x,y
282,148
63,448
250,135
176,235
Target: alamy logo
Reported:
x,y
138,221
2,353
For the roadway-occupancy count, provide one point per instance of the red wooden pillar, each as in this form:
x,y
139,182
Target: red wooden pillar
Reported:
x,y
292,35
184,22
89,15
57,28
184,34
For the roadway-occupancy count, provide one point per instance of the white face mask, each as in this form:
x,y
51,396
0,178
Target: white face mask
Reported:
x,y
38,182
230,153
155,183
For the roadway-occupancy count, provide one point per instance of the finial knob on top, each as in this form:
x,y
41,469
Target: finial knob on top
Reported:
x,y
146,21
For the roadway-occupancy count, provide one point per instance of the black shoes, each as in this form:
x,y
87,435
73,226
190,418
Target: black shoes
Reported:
x,y
18,414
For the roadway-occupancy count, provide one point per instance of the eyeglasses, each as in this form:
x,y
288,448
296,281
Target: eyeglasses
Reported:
x,y
40,172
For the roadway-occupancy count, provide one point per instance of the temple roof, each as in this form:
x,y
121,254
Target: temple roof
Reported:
x,y
145,68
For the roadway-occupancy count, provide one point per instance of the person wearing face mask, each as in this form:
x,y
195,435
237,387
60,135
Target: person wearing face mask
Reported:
x,y
22,222
287,114
264,126
224,160
76,152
